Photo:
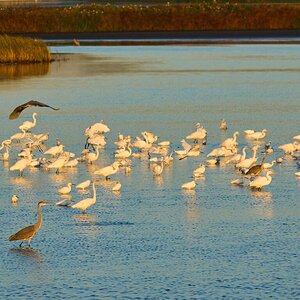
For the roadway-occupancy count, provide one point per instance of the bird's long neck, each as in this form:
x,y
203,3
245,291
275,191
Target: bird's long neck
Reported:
x,y
129,149
269,178
24,132
94,192
97,152
234,136
244,153
34,119
38,224
263,159
254,153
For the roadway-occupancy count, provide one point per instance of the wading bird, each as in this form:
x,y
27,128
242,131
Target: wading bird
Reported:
x,y
66,189
27,233
189,185
27,125
17,111
261,181
86,203
14,199
83,185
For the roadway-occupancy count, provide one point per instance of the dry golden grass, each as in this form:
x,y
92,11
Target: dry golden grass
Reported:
x,y
185,17
22,50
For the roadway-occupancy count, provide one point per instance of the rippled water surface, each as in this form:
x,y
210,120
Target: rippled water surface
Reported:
x,y
153,240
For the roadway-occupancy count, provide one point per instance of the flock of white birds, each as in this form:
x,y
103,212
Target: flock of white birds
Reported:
x,y
32,154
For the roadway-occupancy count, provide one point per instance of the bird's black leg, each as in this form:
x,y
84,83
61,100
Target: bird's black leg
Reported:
x,y
29,244
86,144
21,244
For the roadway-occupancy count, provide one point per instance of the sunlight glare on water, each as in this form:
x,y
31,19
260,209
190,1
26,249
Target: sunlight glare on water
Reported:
x,y
153,240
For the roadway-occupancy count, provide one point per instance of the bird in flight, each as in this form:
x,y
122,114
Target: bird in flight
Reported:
x,y
17,111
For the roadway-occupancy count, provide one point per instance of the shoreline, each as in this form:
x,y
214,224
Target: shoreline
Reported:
x,y
191,36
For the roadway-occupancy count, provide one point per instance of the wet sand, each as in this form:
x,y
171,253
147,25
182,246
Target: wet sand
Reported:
x,y
173,35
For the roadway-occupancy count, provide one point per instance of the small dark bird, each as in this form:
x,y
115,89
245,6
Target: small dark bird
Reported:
x,y
17,111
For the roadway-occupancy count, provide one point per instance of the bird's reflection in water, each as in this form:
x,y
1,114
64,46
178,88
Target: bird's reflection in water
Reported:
x,y
262,203
65,196
85,219
59,178
23,181
117,194
33,254
86,224
5,164
192,211
159,181
104,183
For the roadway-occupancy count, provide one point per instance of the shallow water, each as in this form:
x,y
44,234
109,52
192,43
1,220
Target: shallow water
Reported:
x,y
153,240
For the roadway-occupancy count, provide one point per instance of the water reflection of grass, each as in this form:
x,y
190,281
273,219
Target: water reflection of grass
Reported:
x,y
16,71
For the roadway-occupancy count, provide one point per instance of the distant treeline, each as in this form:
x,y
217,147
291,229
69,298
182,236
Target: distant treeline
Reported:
x,y
183,17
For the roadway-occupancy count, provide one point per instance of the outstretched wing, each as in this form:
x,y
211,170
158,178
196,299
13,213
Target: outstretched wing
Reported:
x,y
17,111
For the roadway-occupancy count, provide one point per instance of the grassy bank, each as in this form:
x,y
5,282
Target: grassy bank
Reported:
x,y
22,50
95,18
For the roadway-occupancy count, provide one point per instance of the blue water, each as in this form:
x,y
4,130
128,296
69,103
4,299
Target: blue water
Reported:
x,y
153,240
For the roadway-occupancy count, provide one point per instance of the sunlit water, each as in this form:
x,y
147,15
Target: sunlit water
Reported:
x,y
153,240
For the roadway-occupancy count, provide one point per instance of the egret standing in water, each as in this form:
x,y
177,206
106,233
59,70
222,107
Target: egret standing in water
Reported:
x,y
86,203
27,125
27,233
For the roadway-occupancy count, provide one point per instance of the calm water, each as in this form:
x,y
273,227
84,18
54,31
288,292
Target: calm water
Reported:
x,y
153,240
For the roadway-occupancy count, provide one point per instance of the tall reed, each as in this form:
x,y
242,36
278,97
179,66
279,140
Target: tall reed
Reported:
x,y
209,15
22,50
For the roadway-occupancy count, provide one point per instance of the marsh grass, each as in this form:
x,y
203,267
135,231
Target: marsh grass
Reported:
x,y
22,50
208,15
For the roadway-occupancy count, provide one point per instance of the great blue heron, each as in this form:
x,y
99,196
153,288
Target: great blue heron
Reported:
x,y
27,233
17,111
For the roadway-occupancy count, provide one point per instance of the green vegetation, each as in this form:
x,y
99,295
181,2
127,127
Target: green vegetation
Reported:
x,y
22,50
185,17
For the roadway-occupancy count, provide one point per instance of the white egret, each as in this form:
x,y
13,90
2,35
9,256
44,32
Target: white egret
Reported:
x,y
223,125
14,199
83,185
199,171
231,143
261,181
27,125
86,203
66,189
109,170
189,185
